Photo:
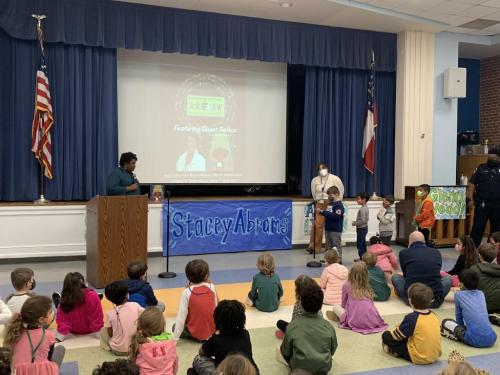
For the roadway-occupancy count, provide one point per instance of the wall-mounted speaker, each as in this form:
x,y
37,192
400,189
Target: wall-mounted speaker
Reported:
x,y
455,83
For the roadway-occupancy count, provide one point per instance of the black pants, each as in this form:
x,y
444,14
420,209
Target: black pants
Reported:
x,y
281,324
426,232
482,214
399,348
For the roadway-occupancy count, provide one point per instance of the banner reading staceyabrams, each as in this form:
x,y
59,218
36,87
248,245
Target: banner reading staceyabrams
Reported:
x,y
228,226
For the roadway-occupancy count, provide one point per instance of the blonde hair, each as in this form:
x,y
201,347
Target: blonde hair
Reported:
x,y
331,256
235,364
369,258
265,264
360,282
458,368
150,323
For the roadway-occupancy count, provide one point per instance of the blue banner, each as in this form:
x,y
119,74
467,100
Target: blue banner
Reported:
x,y
228,226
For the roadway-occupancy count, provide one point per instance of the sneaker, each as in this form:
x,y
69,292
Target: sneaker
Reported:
x,y
386,349
494,319
56,299
332,316
280,335
445,332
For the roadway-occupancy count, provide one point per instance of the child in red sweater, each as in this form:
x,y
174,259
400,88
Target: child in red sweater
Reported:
x,y
424,211
80,310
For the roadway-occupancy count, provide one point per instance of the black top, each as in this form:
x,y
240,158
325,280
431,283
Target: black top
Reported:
x,y
487,182
420,263
459,266
219,346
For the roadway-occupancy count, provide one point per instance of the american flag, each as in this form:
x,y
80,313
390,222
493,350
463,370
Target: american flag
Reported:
x,y
371,123
43,119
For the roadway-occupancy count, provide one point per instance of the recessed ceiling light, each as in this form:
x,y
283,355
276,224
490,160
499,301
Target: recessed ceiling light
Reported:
x,y
286,5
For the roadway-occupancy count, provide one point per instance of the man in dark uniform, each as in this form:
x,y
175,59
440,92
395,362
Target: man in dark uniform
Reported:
x,y
122,180
483,192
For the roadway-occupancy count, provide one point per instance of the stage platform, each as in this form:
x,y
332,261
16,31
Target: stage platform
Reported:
x,y
59,228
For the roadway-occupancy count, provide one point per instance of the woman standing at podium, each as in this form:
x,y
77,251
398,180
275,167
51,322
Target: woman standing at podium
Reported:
x,y
122,180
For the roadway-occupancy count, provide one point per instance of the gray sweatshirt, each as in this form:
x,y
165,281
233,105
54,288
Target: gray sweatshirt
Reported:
x,y
362,218
386,219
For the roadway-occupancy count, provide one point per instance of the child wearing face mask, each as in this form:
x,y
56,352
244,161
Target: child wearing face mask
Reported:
x,y
334,221
23,281
424,211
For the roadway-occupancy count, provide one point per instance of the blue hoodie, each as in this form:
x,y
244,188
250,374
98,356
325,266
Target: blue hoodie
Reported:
x,y
141,292
334,217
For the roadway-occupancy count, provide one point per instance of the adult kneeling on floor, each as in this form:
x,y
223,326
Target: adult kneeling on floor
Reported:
x,y
421,263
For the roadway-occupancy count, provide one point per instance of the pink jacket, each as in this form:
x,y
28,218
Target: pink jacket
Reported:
x,y
385,257
83,319
332,279
158,358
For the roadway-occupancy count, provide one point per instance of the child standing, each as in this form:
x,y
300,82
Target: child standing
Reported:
x,y
357,312
386,259
153,349
80,310
121,322
23,281
417,338
361,223
424,211
334,221
333,277
386,220
230,319
471,326
196,310
300,283
266,286
468,256
378,281
310,341
31,343
139,289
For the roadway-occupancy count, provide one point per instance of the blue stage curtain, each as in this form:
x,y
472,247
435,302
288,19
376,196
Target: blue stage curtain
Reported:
x,y
115,24
334,119
84,136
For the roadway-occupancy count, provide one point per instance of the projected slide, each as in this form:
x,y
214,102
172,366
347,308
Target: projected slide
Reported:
x,y
195,119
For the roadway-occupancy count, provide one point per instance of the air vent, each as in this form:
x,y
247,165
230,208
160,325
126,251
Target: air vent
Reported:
x,y
479,24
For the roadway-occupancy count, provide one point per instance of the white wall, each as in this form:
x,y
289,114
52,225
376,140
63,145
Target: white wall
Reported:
x,y
48,231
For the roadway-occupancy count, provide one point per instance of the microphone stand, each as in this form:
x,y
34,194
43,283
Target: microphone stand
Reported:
x,y
314,263
167,274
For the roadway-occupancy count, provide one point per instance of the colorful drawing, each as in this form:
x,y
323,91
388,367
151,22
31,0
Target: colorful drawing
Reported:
x,y
449,202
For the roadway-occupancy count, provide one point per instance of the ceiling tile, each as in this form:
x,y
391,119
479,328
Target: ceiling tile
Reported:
x,y
478,12
417,6
492,3
474,2
449,19
451,7
388,4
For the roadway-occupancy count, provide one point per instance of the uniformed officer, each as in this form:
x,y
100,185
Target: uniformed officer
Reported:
x,y
483,192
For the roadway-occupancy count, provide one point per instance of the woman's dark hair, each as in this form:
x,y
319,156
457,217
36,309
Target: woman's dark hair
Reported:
x,y
469,278
321,164
469,251
116,292
126,158
229,317
72,294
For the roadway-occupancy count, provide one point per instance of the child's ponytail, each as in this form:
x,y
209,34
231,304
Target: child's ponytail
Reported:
x,y
14,330
150,323
135,343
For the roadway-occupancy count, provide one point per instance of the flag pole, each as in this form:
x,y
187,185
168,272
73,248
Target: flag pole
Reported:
x,y
41,199
374,179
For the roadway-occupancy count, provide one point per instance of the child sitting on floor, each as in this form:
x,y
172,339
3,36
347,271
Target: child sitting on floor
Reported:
x,y
357,311
468,256
471,326
23,281
378,281
310,341
386,259
333,277
80,310
153,349
195,317
495,241
236,364
230,319
300,283
120,366
121,322
139,289
266,286
31,343
417,338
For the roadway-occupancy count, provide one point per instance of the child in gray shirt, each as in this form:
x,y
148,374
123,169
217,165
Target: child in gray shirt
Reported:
x,y
361,223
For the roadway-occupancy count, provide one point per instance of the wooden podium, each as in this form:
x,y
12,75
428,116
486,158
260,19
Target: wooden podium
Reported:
x,y
117,230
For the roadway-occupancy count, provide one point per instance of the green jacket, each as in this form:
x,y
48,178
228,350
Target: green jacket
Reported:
x,y
379,284
309,344
266,292
117,182
489,284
